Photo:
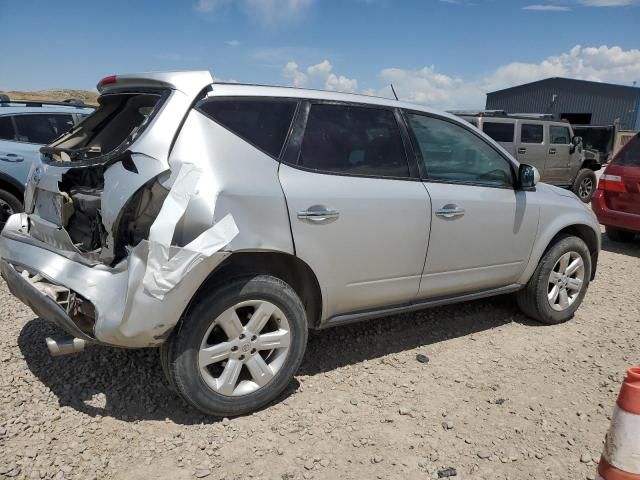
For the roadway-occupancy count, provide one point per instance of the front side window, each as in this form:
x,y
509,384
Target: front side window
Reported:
x,y
500,132
451,153
353,140
531,133
7,132
264,123
559,135
42,128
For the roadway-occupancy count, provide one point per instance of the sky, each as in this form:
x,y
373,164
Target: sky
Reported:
x,y
443,53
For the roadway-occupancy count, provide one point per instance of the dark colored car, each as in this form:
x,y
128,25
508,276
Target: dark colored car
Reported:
x,y
617,200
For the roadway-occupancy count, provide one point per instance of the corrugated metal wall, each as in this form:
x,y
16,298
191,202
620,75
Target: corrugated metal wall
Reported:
x,y
605,102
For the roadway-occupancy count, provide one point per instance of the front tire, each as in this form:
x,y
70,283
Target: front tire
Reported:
x,y
238,348
558,285
584,185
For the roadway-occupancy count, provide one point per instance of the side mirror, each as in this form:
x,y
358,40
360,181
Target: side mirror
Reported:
x,y
528,177
576,140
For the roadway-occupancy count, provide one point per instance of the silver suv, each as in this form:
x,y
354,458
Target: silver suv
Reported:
x,y
24,127
221,222
548,145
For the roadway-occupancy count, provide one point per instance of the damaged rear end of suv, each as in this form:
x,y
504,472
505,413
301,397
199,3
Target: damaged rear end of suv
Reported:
x,y
92,249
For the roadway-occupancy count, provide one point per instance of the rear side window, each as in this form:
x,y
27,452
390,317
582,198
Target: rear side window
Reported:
x,y
42,128
531,133
629,156
500,132
559,135
7,132
264,123
353,140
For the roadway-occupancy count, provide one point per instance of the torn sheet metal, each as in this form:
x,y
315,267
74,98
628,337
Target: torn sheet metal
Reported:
x,y
162,272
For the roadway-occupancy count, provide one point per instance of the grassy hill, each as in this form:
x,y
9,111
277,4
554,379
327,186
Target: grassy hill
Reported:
x,y
54,94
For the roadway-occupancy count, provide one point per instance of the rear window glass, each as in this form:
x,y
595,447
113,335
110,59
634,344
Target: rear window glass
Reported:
x,y
42,128
629,156
6,129
531,133
264,123
500,132
118,121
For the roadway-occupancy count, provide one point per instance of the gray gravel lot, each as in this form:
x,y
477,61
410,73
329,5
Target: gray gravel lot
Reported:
x,y
497,397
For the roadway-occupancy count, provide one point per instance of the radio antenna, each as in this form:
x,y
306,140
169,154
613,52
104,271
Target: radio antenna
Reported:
x,y
394,91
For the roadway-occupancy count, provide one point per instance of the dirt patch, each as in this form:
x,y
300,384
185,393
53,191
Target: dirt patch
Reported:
x,y
500,397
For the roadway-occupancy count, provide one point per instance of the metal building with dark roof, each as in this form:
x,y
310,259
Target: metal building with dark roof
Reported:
x,y
580,102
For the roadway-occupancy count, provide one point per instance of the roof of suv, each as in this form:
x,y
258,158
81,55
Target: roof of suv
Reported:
x,y
194,81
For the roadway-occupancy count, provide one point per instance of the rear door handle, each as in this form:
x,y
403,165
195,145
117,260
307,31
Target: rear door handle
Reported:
x,y
450,211
552,151
522,150
318,216
11,157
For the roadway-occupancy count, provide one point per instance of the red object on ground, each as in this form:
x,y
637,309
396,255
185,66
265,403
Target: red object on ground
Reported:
x,y
616,202
621,456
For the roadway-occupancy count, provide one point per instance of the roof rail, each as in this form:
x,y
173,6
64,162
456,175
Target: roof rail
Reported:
x,y
6,102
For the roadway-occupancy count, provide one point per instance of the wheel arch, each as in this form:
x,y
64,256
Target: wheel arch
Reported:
x,y
12,186
285,266
580,230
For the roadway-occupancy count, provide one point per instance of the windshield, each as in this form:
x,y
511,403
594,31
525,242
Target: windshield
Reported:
x,y
117,122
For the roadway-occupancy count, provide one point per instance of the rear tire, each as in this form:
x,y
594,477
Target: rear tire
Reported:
x,y
618,235
238,347
9,205
585,184
542,298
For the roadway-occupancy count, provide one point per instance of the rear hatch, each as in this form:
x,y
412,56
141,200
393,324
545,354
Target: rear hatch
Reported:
x,y
99,187
621,180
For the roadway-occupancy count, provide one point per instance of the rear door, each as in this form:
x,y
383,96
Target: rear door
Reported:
x,y
482,229
531,147
558,165
502,131
359,214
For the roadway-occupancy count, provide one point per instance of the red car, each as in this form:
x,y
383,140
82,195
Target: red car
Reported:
x,y
616,203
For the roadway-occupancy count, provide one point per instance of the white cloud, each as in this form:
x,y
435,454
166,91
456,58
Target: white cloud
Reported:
x,y
295,76
429,86
267,12
232,43
608,3
321,69
546,8
319,75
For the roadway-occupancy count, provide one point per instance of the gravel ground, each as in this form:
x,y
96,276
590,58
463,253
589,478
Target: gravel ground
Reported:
x,y
494,396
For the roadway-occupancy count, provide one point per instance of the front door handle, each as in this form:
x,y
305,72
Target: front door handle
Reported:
x,y
450,211
522,150
318,215
11,157
552,151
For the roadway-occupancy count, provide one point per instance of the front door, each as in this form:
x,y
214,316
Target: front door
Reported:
x,y
359,216
482,229
558,167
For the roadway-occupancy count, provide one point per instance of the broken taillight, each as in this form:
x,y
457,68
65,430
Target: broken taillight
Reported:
x,y
611,183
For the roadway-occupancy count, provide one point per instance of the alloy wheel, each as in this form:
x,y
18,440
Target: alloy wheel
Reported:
x,y
244,348
566,281
586,188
